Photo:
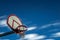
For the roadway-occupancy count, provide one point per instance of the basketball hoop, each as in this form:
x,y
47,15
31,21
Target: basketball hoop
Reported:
x,y
21,30
16,25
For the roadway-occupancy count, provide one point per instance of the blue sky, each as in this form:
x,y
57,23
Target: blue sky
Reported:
x,y
42,17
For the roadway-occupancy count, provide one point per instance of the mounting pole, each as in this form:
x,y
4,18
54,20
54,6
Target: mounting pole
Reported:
x,y
7,33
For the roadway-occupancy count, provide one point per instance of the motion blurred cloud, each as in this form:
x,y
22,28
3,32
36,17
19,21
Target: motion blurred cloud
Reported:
x,y
49,25
1,17
33,37
1,32
4,39
56,34
3,22
50,39
31,28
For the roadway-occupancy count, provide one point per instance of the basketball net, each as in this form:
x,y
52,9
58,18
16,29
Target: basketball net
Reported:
x,y
22,34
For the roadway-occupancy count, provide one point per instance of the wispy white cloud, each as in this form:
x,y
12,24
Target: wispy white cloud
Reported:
x,y
56,24
45,26
3,22
31,28
1,32
49,39
49,25
4,39
34,37
56,34
2,16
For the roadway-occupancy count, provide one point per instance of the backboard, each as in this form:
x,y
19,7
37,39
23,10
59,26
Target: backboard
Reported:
x,y
13,21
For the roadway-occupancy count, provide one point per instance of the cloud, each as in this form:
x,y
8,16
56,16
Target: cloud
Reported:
x,y
33,37
1,17
1,32
50,39
48,25
45,26
56,24
3,22
31,28
4,39
56,34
